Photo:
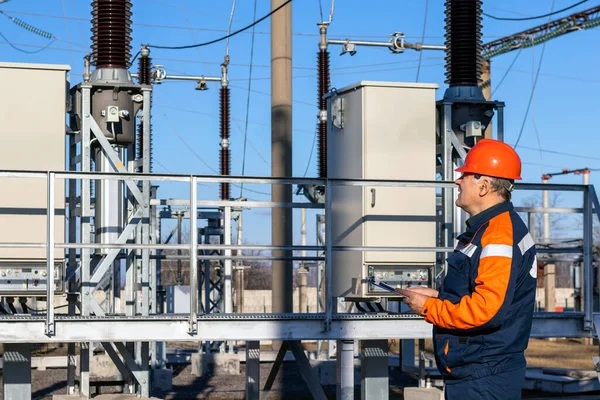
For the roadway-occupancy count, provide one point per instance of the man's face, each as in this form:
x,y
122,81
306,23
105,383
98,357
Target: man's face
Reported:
x,y
468,191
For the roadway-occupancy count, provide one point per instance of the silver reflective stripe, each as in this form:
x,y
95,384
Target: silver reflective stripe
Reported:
x,y
526,243
469,250
496,250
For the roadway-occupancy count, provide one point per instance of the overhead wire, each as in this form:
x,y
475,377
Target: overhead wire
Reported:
x,y
229,28
537,16
537,133
320,9
422,38
537,75
187,24
507,71
312,150
191,46
176,132
248,102
25,51
561,153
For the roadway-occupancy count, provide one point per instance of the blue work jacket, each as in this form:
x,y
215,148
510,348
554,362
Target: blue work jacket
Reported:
x,y
482,317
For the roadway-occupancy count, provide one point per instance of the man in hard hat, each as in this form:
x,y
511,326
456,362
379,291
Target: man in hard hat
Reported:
x,y
482,314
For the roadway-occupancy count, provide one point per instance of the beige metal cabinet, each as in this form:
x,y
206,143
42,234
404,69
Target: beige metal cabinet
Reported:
x,y
381,130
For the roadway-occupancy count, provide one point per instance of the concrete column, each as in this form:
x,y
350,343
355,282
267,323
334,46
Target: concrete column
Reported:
x,y
17,371
303,271
374,370
252,370
345,370
281,154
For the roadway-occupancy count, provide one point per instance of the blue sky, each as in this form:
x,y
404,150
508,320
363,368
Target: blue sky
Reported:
x,y
563,110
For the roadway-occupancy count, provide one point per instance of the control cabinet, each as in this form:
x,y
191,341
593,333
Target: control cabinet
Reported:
x,y
382,131
33,115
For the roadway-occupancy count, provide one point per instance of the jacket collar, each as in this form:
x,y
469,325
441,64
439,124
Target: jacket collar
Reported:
x,y
476,221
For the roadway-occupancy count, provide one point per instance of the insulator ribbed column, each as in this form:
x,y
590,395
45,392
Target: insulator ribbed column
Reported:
x,y
463,42
322,89
111,29
144,75
225,155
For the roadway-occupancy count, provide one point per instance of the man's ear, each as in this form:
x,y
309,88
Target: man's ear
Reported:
x,y
485,186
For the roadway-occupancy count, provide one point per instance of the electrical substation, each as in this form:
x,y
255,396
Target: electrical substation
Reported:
x,y
82,208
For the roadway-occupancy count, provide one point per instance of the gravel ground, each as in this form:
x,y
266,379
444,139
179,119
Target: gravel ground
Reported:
x,y
289,386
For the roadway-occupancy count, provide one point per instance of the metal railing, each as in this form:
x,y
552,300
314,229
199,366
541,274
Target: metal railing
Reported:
x,y
590,203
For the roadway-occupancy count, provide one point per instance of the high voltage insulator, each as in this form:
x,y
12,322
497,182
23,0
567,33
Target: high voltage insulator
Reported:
x,y
323,88
111,28
463,42
225,154
30,28
145,63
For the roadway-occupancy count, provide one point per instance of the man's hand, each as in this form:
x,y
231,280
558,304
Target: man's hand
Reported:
x,y
429,292
414,299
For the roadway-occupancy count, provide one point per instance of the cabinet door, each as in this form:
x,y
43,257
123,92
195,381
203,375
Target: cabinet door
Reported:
x,y
399,217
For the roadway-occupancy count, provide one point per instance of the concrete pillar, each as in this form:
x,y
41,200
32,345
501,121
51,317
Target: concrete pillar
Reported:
x,y
281,154
374,370
549,269
345,370
17,371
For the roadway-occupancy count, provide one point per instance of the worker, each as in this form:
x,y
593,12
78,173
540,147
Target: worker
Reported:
x,y
482,313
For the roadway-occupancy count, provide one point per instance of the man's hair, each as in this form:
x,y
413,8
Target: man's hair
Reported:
x,y
503,187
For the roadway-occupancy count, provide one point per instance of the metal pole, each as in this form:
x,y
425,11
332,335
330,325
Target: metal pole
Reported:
x,y
50,258
303,271
345,370
281,153
239,291
193,320
549,269
588,274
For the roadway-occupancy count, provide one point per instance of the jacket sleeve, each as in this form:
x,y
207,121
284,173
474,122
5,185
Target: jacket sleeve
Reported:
x,y
494,284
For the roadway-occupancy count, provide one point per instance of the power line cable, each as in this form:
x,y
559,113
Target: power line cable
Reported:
x,y
229,28
248,103
198,156
312,150
422,38
561,153
190,46
536,17
507,71
537,75
25,51
320,9
537,133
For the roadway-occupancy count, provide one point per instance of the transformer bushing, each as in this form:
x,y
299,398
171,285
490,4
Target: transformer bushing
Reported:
x,y
471,112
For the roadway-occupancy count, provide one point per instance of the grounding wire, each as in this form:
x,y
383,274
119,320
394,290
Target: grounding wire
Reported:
x,y
26,51
312,150
536,17
248,102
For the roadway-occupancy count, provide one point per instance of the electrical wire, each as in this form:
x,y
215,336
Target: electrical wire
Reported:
x,y
198,156
536,17
187,24
537,75
191,46
248,102
312,150
231,22
25,51
561,153
422,39
537,133
320,9
507,71
331,11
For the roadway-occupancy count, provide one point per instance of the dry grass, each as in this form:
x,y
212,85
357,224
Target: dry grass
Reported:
x,y
561,353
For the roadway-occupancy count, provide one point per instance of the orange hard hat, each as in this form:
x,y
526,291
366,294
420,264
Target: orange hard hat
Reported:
x,y
493,158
